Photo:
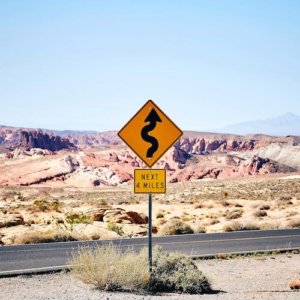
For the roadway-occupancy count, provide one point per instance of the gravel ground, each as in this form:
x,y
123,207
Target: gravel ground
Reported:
x,y
239,279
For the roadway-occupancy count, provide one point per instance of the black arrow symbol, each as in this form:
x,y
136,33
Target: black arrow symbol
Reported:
x,y
153,117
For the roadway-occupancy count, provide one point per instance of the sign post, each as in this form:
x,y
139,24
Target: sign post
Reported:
x,y
150,232
150,133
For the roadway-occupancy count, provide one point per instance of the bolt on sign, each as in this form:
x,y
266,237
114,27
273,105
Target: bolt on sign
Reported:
x,y
150,181
150,133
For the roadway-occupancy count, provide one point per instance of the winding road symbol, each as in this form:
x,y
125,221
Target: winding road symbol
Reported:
x,y
150,133
153,118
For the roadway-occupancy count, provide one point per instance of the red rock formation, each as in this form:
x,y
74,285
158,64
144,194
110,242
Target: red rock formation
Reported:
x,y
38,139
258,165
205,145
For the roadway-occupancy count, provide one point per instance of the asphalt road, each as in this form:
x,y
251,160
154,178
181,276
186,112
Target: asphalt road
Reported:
x,y
22,259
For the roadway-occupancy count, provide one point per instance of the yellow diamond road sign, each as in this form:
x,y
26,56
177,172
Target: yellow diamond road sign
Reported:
x,y
150,133
150,181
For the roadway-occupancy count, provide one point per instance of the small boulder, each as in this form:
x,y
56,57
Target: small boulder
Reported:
x,y
11,220
138,218
295,284
98,217
111,215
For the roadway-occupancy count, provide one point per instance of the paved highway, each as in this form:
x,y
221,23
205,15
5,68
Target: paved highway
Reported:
x,y
22,259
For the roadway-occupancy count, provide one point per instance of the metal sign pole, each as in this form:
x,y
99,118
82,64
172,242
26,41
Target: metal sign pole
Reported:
x,y
150,232
135,133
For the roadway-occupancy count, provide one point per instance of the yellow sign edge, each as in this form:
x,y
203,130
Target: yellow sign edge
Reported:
x,y
165,189
154,104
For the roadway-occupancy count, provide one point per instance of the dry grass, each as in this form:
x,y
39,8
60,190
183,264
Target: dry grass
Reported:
x,y
49,237
264,207
270,225
160,214
199,228
43,205
260,214
108,268
113,226
294,223
234,214
175,227
78,218
237,226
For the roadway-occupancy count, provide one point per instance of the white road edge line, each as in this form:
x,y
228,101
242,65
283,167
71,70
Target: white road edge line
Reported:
x,y
160,243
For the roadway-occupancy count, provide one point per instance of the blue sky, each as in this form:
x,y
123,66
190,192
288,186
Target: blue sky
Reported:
x,y
92,64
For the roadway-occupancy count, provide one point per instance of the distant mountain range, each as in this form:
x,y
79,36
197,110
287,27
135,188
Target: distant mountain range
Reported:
x,y
58,132
287,124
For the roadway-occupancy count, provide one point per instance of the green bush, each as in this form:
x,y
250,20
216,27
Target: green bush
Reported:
x,y
113,226
74,218
46,205
173,272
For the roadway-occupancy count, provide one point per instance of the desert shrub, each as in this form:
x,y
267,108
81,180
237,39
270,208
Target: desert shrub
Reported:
x,y
43,205
237,226
199,228
198,205
78,218
175,226
187,218
103,202
173,272
222,256
260,213
48,237
10,222
161,221
234,214
213,222
225,203
283,204
160,214
294,223
250,226
285,198
270,225
264,207
212,216
108,268
113,226
292,214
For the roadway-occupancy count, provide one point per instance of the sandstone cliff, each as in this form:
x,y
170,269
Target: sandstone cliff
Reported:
x,y
39,139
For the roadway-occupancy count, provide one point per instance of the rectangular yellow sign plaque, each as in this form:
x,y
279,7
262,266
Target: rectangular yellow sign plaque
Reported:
x,y
150,181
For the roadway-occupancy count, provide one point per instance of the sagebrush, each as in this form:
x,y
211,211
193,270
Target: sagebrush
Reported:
x,y
109,268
